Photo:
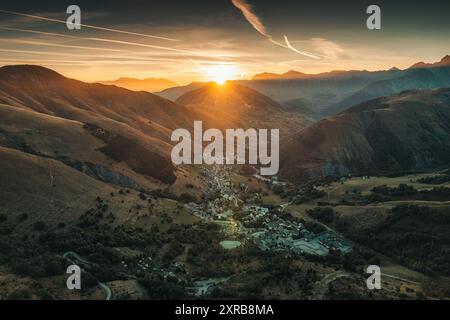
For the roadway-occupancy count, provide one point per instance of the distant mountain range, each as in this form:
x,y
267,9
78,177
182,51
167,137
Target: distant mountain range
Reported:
x,y
150,84
418,76
293,75
288,75
445,62
389,135
329,93
174,93
307,92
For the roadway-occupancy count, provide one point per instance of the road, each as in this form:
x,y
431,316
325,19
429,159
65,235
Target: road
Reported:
x,y
398,278
76,257
321,286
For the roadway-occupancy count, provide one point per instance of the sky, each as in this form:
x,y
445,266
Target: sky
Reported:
x,y
184,40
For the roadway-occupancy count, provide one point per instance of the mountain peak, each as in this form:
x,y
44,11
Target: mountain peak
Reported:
x,y
233,105
293,73
30,70
148,84
228,96
418,65
444,62
266,76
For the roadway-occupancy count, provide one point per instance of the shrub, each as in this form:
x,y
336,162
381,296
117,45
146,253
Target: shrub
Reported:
x,y
325,215
20,294
186,197
39,225
401,190
277,189
435,179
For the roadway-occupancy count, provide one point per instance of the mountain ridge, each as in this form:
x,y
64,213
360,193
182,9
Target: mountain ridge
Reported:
x,y
237,106
402,133
143,119
423,78
343,88
147,84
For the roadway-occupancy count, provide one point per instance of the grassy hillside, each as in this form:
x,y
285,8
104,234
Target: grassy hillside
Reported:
x,y
399,134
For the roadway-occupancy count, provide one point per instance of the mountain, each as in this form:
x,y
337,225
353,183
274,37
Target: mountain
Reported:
x,y
416,78
444,62
173,94
328,93
236,106
136,114
331,92
290,88
389,135
26,187
292,74
131,130
266,76
76,145
317,91
149,84
139,123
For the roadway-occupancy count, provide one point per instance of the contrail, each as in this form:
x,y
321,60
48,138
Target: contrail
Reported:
x,y
145,46
88,26
253,19
118,59
104,40
288,45
190,52
80,62
40,43
89,56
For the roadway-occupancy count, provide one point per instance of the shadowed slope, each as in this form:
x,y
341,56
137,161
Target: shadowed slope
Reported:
x,y
407,132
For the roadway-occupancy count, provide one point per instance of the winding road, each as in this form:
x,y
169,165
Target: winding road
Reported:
x,y
322,285
73,257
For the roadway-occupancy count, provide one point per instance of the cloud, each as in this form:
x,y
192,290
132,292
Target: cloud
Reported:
x,y
255,21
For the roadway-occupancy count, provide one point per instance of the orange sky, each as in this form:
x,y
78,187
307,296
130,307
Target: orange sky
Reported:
x,y
191,46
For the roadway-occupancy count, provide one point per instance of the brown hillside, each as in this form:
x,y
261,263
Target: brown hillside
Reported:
x,y
407,132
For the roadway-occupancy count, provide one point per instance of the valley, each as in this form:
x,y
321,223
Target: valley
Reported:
x,y
235,157
86,175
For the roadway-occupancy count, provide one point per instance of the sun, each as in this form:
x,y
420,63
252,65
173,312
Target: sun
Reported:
x,y
221,73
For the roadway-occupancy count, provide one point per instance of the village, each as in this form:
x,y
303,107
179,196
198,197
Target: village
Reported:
x,y
248,221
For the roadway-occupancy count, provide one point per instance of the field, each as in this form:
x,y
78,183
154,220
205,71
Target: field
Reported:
x,y
372,227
